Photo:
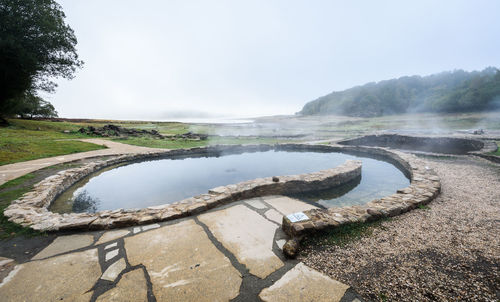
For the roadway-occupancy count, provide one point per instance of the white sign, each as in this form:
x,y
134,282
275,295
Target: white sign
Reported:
x,y
299,216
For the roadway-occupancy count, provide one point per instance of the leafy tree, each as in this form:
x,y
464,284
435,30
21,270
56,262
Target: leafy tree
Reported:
x,y
28,105
36,45
34,106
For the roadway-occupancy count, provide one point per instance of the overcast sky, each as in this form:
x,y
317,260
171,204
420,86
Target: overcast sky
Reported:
x,y
153,59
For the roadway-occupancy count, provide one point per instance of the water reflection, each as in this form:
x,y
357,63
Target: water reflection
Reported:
x,y
163,181
322,197
84,202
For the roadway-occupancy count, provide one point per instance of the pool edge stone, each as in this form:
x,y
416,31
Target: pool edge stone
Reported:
x,y
31,210
424,186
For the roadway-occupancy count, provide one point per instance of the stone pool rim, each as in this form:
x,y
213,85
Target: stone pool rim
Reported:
x,y
31,210
467,145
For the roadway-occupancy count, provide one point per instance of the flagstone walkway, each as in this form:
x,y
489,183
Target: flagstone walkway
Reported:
x,y
229,253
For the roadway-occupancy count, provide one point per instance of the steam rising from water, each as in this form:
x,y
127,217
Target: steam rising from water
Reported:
x,y
312,128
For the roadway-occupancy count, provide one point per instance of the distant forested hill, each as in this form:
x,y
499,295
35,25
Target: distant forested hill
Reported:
x,y
457,91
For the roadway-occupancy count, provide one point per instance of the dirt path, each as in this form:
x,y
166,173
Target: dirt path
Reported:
x,y
449,251
12,171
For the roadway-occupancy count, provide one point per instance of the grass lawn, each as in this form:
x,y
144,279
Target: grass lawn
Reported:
x,y
26,140
176,144
344,234
10,191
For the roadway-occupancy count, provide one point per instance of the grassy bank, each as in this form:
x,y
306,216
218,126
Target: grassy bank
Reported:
x,y
15,188
342,235
10,191
176,144
26,140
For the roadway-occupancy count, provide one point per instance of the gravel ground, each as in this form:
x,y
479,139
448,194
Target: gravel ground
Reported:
x,y
449,252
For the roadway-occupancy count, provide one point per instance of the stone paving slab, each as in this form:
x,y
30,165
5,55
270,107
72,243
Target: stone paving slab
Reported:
x,y
274,215
64,244
286,205
132,287
6,266
111,254
114,270
5,261
247,235
256,203
62,278
112,235
304,284
178,262
183,264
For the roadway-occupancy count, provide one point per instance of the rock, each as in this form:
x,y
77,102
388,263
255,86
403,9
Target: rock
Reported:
x,y
63,278
131,287
6,266
275,179
114,270
64,244
112,235
113,130
273,215
302,283
111,254
76,222
251,242
170,254
218,190
291,247
256,203
5,261
374,213
287,205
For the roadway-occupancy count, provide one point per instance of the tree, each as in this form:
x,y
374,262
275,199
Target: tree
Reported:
x,y
457,91
34,106
36,45
28,105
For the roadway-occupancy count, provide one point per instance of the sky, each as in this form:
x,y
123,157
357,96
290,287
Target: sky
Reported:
x,y
165,59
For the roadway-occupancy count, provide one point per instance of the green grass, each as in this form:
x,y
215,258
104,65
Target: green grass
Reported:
x,y
10,191
382,297
423,207
176,144
426,121
344,234
43,126
21,141
497,153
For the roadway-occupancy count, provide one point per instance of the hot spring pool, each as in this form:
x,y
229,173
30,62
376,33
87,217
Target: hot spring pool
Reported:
x,y
163,181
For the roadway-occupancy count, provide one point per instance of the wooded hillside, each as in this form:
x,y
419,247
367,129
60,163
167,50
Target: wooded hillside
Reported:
x,y
457,91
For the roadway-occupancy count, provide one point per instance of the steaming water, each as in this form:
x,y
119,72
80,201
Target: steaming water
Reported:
x,y
164,181
211,120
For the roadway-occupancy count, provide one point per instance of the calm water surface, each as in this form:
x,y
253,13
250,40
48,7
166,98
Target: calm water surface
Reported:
x,y
163,181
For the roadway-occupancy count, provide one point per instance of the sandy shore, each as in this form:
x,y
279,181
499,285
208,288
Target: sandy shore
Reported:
x,y
449,252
